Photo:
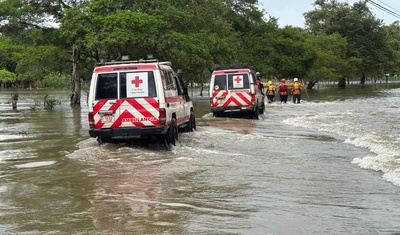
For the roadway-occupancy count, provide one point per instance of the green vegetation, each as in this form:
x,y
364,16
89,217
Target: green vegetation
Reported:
x,y
7,76
48,40
46,104
54,80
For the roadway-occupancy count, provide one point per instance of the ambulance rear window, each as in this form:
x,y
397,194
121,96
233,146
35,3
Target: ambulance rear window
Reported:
x,y
238,81
107,86
138,84
220,82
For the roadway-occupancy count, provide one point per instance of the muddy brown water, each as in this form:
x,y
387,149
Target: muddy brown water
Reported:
x,y
327,166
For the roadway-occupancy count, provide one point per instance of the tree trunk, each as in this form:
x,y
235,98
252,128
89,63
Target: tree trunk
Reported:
x,y
201,90
14,100
311,84
342,82
362,81
76,83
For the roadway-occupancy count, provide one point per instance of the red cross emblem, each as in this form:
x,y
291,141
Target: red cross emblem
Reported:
x,y
137,81
238,79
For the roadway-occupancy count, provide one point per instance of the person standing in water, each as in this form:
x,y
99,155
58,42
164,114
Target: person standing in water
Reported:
x,y
283,91
271,88
296,90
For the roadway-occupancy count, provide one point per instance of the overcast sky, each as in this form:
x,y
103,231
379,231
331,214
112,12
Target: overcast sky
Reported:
x,y
290,12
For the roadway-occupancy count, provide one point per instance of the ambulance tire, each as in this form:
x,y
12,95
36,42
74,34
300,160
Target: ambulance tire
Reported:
x,y
218,114
176,132
192,123
262,108
169,139
171,136
103,140
167,143
254,114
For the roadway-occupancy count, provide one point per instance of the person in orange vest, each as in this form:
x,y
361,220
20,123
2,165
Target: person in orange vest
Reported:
x,y
283,91
271,88
296,90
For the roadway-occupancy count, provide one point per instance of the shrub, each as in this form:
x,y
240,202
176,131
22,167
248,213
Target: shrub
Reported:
x,y
55,80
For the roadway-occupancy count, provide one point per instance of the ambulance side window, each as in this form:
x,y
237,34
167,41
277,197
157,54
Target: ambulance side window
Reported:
x,y
179,85
169,83
238,81
152,85
220,82
106,87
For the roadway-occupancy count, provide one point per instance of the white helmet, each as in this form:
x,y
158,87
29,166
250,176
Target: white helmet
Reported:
x,y
296,79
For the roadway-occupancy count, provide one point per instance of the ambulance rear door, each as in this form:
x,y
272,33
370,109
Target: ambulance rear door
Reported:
x,y
105,107
219,92
239,93
139,106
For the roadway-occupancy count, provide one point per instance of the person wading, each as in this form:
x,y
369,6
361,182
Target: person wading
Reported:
x,y
296,90
271,88
283,91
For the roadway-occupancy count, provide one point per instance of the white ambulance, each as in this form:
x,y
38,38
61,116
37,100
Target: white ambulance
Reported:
x,y
234,89
137,100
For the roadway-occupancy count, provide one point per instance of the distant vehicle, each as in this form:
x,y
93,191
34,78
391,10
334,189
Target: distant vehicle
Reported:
x,y
234,89
137,100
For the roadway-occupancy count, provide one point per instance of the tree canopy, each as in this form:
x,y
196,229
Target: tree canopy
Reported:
x,y
68,37
365,34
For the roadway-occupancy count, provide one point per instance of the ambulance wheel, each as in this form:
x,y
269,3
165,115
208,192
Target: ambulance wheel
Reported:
x,y
168,139
256,113
103,140
218,114
171,136
192,123
262,109
175,132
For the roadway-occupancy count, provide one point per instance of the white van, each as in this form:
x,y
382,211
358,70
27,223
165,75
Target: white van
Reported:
x,y
234,89
137,100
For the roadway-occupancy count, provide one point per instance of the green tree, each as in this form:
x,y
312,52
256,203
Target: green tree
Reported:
x,y
365,34
331,62
34,51
283,52
7,76
393,63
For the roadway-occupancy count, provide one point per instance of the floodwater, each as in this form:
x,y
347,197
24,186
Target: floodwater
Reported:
x,y
330,165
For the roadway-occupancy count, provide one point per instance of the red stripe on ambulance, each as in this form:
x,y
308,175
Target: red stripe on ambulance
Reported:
x,y
231,99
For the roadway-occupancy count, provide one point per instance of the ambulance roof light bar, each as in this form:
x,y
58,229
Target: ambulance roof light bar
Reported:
x,y
233,66
134,62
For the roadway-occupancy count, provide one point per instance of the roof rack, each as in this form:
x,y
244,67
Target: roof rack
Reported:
x,y
134,62
233,66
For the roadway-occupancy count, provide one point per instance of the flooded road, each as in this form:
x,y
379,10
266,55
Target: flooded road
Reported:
x,y
330,165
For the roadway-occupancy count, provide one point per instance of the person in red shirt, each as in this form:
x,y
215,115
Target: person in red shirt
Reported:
x,y
283,91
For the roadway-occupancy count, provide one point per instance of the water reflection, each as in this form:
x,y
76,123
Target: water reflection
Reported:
x,y
127,196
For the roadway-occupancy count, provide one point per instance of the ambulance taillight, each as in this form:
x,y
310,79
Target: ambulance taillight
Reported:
x,y
211,102
163,116
91,120
253,100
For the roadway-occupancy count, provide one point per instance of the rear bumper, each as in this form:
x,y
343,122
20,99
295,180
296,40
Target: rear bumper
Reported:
x,y
128,133
233,109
